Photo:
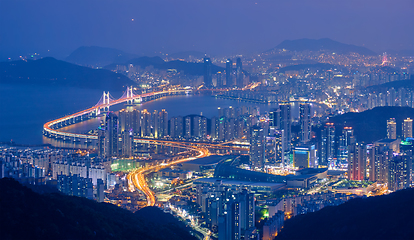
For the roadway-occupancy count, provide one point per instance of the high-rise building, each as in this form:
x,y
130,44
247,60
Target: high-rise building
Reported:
x,y
274,118
221,128
357,161
345,140
145,123
239,73
407,128
126,122
75,185
101,139
199,127
229,129
111,135
285,124
100,187
126,144
136,122
305,122
155,125
400,172
187,127
379,159
279,145
219,80
208,79
257,147
229,73
237,214
327,150
163,117
391,129
176,127
126,117
304,156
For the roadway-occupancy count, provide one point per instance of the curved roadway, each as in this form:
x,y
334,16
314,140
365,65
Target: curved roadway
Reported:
x,y
137,177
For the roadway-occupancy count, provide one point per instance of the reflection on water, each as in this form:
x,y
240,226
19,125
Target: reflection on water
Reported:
x,y
59,143
178,106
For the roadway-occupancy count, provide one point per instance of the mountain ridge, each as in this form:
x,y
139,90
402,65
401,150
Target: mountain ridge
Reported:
x,y
98,56
29,215
190,68
381,217
50,71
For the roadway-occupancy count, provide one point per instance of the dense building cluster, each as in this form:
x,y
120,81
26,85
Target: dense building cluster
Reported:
x,y
72,173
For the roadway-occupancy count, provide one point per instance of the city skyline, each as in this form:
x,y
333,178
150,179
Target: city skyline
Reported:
x,y
133,28
209,120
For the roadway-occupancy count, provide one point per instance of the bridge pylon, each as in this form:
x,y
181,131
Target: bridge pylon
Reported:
x,y
106,101
130,96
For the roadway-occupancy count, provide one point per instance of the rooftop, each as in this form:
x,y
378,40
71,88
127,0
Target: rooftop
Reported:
x,y
211,159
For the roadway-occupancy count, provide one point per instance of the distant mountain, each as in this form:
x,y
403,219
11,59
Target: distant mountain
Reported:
x,y
371,125
383,217
29,215
395,84
190,68
306,44
98,56
187,54
49,71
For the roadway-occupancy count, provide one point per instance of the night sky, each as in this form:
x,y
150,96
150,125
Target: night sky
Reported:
x,y
219,27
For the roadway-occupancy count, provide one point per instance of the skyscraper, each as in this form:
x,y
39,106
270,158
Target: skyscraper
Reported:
x,y
187,127
357,161
214,128
399,174
163,118
285,124
327,150
145,123
155,125
305,122
274,118
199,127
126,117
345,140
136,122
257,147
379,159
239,73
219,80
208,79
101,139
237,214
391,129
111,135
279,145
229,73
407,128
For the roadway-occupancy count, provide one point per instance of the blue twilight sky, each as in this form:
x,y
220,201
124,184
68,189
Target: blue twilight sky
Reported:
x,y
217,27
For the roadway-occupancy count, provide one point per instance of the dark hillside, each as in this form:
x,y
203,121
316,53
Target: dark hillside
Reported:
x,y
29,215
371,125
49,71
383,217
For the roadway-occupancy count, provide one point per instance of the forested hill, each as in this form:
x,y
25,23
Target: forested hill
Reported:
x,y
28,215
383,217
371,125
49,71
